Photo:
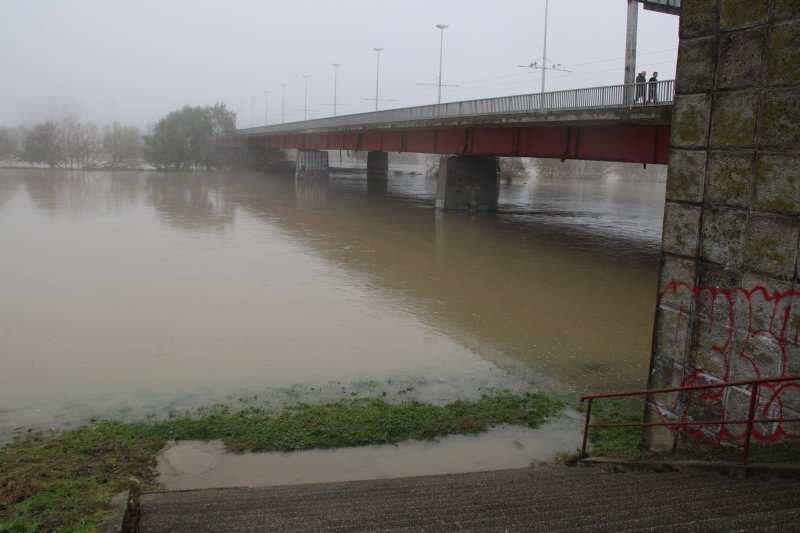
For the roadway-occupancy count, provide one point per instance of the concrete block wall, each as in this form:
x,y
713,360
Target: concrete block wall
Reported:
x,y
729,288
467,183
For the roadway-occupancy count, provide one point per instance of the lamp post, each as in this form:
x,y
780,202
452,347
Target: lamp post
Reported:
x,y
266,108
335,72
252,111
305,96
283,103
377,75
441,44
544,50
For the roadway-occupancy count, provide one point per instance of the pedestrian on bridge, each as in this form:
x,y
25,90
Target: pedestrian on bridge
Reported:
x,y
652,83
641,79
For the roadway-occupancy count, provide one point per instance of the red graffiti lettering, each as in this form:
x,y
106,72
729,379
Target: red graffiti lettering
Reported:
x,y
732,334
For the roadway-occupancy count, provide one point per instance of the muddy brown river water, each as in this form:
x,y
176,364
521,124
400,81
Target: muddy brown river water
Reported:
x,y
128,293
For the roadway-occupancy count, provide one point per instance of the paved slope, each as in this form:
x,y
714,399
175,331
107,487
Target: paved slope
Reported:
x,y
541,499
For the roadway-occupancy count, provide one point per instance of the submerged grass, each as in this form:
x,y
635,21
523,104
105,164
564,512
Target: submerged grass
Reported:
x,y
63,481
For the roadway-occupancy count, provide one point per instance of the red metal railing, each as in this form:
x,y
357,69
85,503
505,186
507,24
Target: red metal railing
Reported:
x,y
749,421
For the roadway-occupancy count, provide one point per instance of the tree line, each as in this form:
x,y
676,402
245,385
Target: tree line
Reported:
x,y
182,140
597,170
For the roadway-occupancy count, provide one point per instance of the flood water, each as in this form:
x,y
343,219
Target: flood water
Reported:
x,y
128,293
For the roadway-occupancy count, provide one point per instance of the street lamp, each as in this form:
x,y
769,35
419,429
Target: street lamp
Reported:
x,y
305,96
266,108
252,111
441,44
377,75
283,103
543,67
335,72
544,50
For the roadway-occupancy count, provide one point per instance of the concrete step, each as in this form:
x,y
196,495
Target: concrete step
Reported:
x,y
541,499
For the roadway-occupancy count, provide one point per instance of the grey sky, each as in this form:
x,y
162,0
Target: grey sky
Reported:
x,y
134,61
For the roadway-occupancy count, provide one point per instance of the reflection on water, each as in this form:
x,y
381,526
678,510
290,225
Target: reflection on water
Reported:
x,y
190,465
129,291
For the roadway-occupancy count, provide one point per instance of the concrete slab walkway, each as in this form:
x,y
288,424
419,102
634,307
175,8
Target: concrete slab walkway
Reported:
x,y
547,498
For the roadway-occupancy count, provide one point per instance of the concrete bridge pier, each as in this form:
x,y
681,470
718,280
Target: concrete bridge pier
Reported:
x,y
311,164
467,182
729,288
377,162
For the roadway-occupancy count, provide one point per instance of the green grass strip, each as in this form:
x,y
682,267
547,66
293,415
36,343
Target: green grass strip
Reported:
x,y
63,481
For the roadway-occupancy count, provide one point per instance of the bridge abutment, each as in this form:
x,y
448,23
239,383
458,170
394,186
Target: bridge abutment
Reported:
x,y
311,164
729,288
377,162
467,182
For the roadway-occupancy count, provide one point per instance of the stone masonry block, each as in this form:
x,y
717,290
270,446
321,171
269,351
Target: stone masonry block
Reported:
x,y
761,355
716,277
723,236
763,303
777,185
665,375
690,118
676,281
783,54
792,337
657,438
699,18
781,119
791,333
742,13
696,62
740,56
686,175
772,245
785,9
681,229
730,175
733,121
708,348
672,331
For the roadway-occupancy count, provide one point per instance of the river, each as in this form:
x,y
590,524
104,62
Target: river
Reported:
x,y
128,293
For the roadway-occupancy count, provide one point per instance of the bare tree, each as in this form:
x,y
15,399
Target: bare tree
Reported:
x,y
571,169
122,146
637,172
512,168
82,143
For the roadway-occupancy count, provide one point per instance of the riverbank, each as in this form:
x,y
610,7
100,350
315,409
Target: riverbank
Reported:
x,y
65,480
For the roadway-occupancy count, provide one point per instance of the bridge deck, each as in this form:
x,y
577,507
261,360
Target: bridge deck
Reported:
x,y
600,123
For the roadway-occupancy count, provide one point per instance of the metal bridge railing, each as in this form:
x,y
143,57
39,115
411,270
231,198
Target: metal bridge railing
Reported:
x,y
610,97
690,421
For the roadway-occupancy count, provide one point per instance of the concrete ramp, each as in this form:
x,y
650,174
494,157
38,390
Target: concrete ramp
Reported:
x,y
531,499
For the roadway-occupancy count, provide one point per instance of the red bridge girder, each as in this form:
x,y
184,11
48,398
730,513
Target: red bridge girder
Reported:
x,y
633,143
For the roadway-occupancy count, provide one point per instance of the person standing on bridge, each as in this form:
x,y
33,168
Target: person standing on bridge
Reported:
x,y
652,85
641,79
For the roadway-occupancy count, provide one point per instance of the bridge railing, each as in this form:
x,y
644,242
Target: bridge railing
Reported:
x,y
609,97
766,403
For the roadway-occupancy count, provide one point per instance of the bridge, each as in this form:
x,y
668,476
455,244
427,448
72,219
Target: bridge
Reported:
x,y
600,123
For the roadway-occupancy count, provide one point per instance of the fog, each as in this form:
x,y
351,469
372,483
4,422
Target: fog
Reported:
x,y
135,61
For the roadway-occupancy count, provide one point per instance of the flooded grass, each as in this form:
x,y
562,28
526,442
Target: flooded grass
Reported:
x,y
64,480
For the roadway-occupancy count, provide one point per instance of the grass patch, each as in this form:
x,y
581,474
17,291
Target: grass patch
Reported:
x,y
617,442
63,481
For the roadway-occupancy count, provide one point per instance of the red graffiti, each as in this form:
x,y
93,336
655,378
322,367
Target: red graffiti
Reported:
x,y
731,334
